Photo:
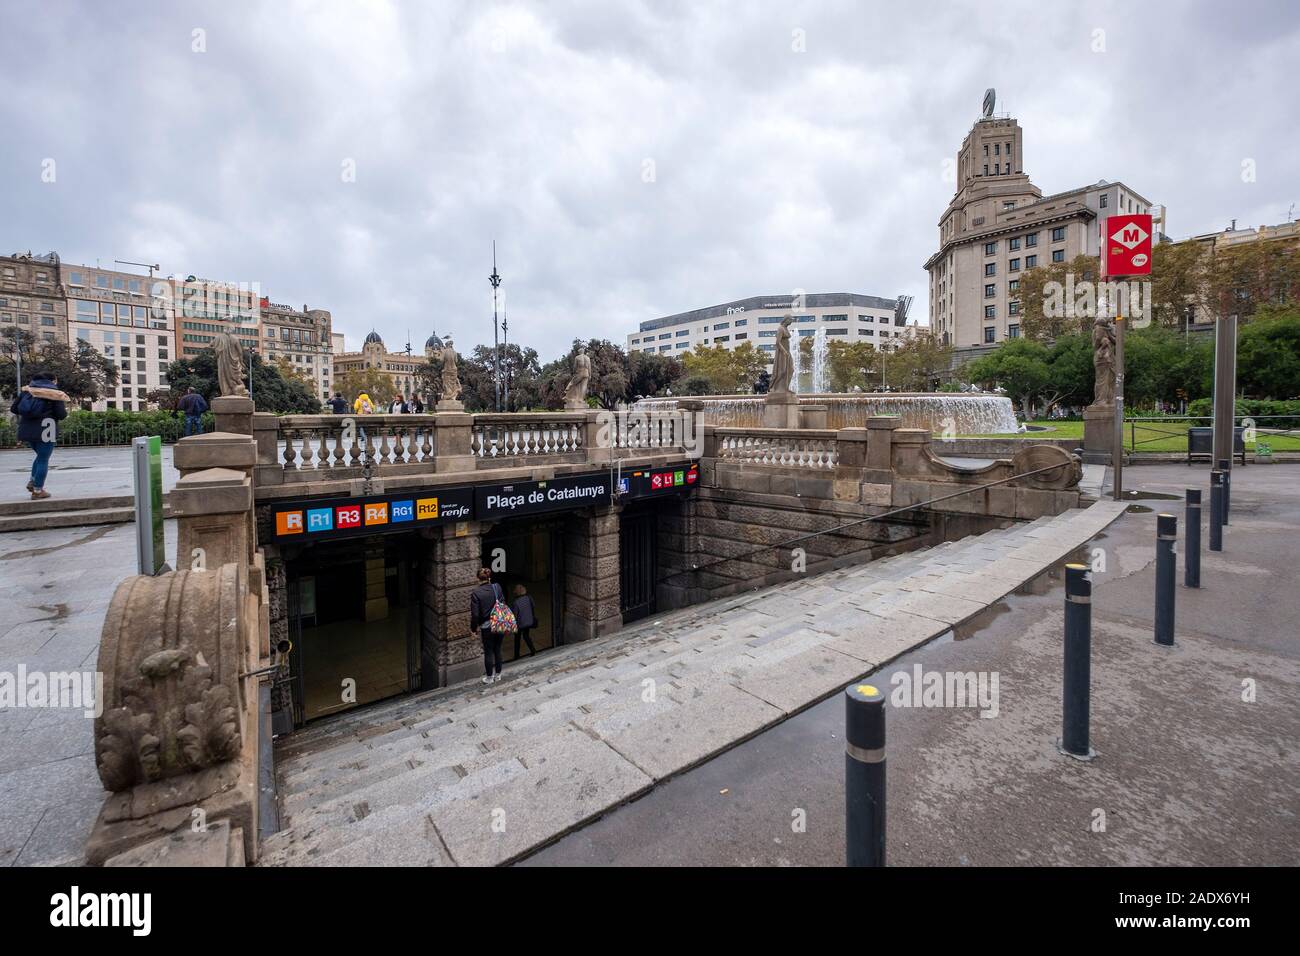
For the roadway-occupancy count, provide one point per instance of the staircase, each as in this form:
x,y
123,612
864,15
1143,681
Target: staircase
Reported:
x,y
477,775
58,512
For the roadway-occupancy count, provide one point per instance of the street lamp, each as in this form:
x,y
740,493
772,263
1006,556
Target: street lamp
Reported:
x,y
495,279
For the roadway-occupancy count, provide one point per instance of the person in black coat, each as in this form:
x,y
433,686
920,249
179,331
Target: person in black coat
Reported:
x,y
192,405
338,405
39,406
481,601
525,619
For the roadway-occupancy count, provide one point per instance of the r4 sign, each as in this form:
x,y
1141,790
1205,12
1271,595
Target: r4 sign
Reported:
x,y
1126,246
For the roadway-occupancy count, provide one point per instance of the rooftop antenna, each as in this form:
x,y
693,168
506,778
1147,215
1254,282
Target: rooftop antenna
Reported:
x,y
495,279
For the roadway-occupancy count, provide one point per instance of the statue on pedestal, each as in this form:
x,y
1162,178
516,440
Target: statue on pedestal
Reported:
x,y
450,377
575,393
783,361
230,366
1103,361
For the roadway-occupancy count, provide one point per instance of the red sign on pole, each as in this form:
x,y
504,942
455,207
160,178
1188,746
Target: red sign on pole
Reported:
x,y
1126,246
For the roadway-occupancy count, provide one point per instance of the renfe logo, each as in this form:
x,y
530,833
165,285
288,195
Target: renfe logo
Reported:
x,y
403,511
426,509
377,513
288,522
348,516
320,519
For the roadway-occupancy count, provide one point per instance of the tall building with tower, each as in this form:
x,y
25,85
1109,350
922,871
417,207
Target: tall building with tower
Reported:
x,y
999,225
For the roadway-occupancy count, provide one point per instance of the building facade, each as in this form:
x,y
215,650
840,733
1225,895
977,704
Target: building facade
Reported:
x,y
999,225
31,296
845,316
402,368
303,338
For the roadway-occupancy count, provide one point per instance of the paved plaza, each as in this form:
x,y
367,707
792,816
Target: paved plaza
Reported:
x,y
90,472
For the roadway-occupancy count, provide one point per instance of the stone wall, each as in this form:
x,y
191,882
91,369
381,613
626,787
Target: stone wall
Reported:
x,y
591,574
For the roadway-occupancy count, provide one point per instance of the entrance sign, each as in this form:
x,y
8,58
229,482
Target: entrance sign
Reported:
x,y
146,464
1126,246
329,518
537,497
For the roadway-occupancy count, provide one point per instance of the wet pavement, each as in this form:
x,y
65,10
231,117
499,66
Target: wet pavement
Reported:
x,y
93,472
1189,772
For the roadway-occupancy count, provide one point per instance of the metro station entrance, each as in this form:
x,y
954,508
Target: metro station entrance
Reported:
x,y
529,553
354,621
638,562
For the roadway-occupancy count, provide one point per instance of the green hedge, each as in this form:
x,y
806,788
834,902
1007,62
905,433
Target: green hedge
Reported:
x,y
1255,408
111,427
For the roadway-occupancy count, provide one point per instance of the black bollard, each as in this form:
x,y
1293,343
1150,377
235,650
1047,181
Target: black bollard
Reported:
x,y
864,775
1225,467
1216,510
1192,557
1078,663
1166,570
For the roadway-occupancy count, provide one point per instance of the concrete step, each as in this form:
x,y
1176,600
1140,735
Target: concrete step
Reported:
x,y
56,503
42,520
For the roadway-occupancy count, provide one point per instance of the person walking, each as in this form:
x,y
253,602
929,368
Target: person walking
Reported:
x,y
482,603
192,405
525,619
38,407
363,405
399,406
338,404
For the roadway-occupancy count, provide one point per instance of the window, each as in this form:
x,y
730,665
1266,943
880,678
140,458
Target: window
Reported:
x,y
1031,240
997,169
662,335
101,282
740,322
989,332
1058,234
1013,285
986,169
866,332
767,335
683,332
997,149
741,335
1014,265
1103,200
990,248
1058,255
990,311
1031,261
46,320
722,338
76,278
270,334
1013,308
837,331
134,286
87,311
1014,243
990,291
119,285
990,268
721,325
1013,331
83,335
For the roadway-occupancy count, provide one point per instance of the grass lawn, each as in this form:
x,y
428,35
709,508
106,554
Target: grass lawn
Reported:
x,y
1146,436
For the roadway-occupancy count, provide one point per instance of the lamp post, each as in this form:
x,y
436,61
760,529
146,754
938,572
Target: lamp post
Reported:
x,y
495,279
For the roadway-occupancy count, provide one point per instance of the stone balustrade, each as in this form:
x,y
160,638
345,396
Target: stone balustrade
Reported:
x,y
509,437
323,443
802,448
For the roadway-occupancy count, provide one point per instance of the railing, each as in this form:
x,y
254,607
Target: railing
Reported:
x,y
812,449
633,428
527,435
324,443
1166,434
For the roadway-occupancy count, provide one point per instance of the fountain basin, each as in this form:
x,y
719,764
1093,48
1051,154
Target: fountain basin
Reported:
x,y
953,413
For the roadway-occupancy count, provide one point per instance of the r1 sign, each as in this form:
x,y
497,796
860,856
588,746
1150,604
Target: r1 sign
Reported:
x,y
1126,246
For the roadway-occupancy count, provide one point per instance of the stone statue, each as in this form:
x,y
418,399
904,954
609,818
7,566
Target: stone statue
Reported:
x,y
230,365
575,393
782,362
1103,361
450,377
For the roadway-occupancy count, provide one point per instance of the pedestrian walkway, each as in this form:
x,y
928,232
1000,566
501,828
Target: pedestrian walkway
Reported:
x,y
483,775
102,471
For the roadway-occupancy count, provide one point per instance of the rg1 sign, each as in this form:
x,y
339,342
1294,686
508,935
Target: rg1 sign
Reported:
x,y
1126,246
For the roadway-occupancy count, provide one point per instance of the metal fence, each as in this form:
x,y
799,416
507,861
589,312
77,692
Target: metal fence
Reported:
x,y
96,432
1168,433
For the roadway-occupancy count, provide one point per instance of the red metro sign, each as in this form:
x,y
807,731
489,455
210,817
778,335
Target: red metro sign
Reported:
x,y
1126,246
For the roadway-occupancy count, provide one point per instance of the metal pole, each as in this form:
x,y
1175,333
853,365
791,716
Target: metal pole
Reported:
x,y
864,775
1225,386
1225,467
1078,665
1192,557
1117,462
495,279
1216,510
1166,568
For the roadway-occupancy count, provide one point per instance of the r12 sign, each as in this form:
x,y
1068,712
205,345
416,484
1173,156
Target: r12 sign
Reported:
x,y
1126,246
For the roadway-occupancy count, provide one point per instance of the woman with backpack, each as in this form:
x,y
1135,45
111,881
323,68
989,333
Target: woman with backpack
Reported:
x,y
492,618
39,406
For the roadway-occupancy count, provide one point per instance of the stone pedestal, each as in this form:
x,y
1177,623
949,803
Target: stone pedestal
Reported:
x,y
451,440
781,410
812,416
1098,434
573,405
449,405
234,413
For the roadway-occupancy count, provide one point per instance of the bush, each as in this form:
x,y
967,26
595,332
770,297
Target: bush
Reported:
x,y
1255,408
111,427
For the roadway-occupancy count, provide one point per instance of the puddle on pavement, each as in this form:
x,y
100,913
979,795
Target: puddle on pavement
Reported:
x,y
1045,582
1150,496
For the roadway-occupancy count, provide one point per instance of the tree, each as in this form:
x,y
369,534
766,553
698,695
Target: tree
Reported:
x,y
371,380
1018,366
1243,278
1178,271
271,392
288,370
920,362
608,383
1268,356
728,371
1044,307
81,370
650,373
851,364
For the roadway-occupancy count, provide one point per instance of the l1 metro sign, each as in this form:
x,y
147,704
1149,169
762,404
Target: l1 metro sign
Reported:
x,y
1126,246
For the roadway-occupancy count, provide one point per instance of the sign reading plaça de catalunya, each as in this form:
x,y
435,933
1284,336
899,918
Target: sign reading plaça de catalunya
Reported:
x,y
534,497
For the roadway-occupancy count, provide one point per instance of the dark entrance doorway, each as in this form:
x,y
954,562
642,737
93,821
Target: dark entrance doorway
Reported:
x,y
638,562
354,620
530,554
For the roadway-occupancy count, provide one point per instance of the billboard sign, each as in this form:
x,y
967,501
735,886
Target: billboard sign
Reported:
x,y
1126,246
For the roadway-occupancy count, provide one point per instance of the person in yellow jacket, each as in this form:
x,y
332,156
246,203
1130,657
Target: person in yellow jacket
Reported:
x,y
363,405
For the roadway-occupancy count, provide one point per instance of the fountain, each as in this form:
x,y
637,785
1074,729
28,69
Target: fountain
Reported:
x,y
955,413
796,363
820,351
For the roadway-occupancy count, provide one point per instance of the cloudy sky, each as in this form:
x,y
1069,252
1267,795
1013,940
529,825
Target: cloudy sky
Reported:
x,y
631,158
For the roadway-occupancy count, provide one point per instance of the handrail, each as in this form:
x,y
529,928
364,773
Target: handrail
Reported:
x,y
869,518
